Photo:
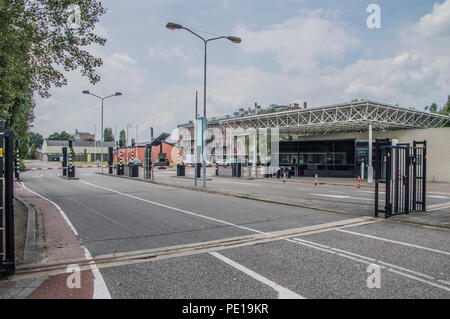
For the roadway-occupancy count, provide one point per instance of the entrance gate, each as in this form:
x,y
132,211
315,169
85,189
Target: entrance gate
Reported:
x,y
401,169
7,263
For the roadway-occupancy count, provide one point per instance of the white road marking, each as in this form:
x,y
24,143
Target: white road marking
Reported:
x,y
174,208
344,254
240,183
102,215
343,197
283,293
304,189
394,241
100,288
431,208
57,207
419,279
367,260
435,196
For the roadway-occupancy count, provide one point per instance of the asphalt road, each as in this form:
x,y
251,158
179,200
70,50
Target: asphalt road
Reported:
x,y
114,215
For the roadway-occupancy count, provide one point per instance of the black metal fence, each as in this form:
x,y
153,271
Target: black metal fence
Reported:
x,y
7,159
401,169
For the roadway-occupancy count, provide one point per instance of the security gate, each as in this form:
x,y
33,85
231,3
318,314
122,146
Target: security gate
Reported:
x,y
7,263
402,170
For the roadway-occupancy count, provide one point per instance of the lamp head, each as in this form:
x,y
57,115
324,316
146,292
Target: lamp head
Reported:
x,y
85,92
234,39
173,26
118,94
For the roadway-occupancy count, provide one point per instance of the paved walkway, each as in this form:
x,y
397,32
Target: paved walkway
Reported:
x,y
61,243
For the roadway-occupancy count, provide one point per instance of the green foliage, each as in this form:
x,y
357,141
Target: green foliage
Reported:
x,y
122,139
445,110
36,47
269,111
32,152
40,30
21,165
36,139
108,135
433,108
63,136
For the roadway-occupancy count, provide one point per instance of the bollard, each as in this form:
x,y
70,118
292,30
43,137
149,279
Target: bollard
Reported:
x,y
359,181
316,180
284,176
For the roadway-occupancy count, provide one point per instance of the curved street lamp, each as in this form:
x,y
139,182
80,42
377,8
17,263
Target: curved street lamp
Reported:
x,y
102,98
175,26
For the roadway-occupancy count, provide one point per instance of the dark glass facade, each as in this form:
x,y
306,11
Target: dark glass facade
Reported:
x,y
327,158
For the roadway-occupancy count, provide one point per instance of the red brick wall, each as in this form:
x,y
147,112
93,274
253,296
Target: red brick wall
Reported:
x,y
170,150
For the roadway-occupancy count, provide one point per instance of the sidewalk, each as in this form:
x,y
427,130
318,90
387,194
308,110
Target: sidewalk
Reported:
x,y
48,239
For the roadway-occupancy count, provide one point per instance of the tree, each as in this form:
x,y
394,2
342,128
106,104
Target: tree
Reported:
x,y
122,139
42,30
63,136
433,108
446,109
107,135
37,45
36,139
32,152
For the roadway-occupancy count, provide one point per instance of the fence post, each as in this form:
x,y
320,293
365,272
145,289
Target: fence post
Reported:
x,y
424,180
17,162
9,256
2,211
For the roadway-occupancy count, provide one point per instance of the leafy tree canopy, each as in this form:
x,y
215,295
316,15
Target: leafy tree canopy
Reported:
x,y
63,136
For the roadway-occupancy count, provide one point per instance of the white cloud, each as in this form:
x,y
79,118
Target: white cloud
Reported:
x,y
159,52
302,42
437,23
306,47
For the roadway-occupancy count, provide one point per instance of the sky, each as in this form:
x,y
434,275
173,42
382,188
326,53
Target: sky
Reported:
x,y
292,51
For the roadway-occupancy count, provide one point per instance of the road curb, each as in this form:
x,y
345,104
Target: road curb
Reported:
x,y
30,253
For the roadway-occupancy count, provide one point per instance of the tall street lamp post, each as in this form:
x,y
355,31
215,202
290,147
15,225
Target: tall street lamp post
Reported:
x,y
175,26
103,99
128,126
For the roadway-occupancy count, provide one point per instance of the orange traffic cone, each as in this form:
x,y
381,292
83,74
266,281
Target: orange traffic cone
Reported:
x,y
359,181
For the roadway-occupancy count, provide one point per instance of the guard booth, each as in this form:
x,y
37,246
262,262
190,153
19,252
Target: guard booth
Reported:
x,y
7,257
401,169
